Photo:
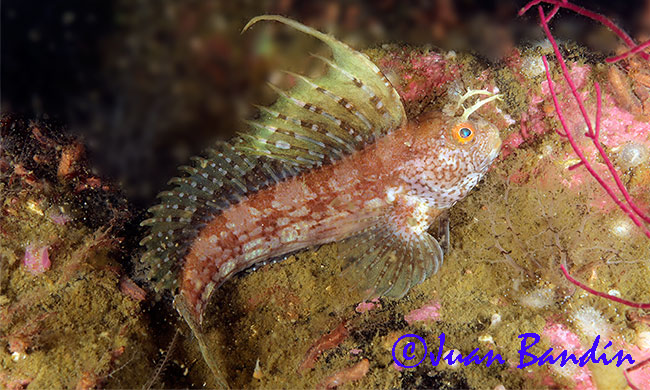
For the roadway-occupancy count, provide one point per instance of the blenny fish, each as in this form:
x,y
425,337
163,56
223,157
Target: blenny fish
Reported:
x,y
334,158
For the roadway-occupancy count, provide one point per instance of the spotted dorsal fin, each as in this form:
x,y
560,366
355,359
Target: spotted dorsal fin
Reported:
x,y
320,120
213,182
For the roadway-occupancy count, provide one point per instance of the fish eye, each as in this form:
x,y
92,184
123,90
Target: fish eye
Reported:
x,y
464,132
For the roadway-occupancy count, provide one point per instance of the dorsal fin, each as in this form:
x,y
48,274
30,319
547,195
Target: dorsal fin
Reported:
x,y
211,183
321,120
316,122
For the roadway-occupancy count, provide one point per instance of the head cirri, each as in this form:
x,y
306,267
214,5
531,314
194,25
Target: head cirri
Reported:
x,y
452,154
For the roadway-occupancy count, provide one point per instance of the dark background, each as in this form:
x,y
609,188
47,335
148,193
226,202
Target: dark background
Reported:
x,y
148,83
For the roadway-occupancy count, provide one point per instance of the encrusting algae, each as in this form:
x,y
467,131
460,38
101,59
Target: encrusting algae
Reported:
x,y
69,315
333,158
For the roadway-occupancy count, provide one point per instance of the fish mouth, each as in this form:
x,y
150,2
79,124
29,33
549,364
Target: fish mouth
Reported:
x,y
497,148
494,153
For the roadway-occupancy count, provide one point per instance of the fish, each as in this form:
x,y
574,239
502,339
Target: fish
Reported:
x,y
333,159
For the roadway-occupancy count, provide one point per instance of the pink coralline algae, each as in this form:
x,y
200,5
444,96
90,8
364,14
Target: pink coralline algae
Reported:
x,y
428,312
420,76
637,375
37,259
564,339
367,306
558,334
617,125
347,375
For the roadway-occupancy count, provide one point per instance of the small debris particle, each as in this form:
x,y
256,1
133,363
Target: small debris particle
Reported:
x,y
129,288
346,375
69,157
327,341
59,218
257,372
34,207
37,259
495,320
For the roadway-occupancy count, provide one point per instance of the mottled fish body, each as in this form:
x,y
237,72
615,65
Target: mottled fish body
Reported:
x,y
333,158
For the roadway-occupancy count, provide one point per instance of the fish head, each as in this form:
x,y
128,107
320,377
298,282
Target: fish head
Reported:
x,y
451,157
475,139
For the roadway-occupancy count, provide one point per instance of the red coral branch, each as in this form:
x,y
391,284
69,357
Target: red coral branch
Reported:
x,y
602,294
610,166
567,134
632,211
576,165
593,132
589,14
628,53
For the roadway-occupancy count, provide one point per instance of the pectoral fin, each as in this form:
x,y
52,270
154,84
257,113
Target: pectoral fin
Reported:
x,y
391,257
443,231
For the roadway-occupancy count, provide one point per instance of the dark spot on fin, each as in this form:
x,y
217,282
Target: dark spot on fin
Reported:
x,y
320,120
